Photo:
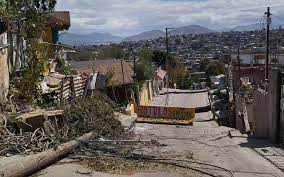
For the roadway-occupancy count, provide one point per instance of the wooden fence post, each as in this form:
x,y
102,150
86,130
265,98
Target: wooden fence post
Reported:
x,y
61,93
72,87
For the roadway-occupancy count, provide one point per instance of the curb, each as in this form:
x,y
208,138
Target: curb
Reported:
x,y
185,92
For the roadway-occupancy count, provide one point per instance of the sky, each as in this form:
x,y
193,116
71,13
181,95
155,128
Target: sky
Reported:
x,y
129,17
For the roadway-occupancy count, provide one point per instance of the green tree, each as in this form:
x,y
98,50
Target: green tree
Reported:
x,y
29,18
159,58
214,69
146,54
143,67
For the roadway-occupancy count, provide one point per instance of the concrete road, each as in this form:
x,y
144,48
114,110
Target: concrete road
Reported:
x,y
208,143
178,98
205,141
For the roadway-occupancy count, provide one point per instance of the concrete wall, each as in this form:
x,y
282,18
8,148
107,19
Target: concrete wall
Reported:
x,y
251,117
273,108
281,121
242,120
4,70
260,107
264,111
146,94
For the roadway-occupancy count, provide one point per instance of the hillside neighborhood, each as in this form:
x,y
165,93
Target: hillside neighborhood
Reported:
x,y
184,101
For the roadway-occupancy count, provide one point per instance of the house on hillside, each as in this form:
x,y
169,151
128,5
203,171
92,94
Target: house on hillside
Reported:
x,y
218,82
59,21
118,77
13,46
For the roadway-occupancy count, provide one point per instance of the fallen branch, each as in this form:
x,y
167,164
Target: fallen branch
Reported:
x,y
29,165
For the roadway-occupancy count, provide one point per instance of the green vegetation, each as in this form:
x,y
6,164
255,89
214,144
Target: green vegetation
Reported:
x,y
176,71
91,114
214,69
143,67
83,55
31,17
36,59
62,67
101,52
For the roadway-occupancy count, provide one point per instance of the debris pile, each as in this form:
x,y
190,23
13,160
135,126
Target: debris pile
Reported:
x,y
125,157
117,156
92,114
25,143
80,116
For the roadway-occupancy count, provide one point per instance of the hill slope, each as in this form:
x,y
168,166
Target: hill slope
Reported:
x,y
89,39
153,34
191,29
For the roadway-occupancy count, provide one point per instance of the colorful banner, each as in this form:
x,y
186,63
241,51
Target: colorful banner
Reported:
x,y
166,112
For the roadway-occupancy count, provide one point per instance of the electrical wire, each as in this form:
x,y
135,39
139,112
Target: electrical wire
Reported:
x,y
261,23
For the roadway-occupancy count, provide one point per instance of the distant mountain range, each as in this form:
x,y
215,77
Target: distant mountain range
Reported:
x,y
89,39
146,35
190,29
251,27
104,38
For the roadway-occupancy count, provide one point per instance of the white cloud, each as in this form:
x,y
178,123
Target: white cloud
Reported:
x,y
125,17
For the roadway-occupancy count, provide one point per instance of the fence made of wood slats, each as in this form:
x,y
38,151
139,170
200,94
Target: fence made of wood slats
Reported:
x,y
71,87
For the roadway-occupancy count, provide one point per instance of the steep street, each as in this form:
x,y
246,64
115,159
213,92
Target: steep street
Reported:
x,y
204,142
147,88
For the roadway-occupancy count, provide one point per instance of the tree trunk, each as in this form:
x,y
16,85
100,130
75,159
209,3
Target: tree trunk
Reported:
x,y
26,166
4,71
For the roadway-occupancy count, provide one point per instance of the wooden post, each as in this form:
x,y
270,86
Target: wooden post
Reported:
x,y
61,92
87,82
29,165
72,87
125,89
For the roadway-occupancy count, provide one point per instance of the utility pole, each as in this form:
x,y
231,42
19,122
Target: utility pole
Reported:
x,y
122,70
134,63
268,22
239,66
167,63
